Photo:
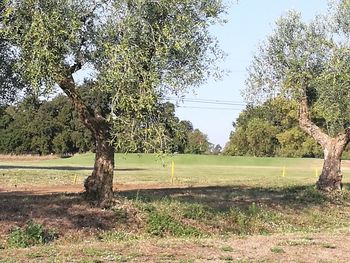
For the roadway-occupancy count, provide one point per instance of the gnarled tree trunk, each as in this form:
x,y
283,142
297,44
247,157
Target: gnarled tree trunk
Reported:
x,y
331,177
99,185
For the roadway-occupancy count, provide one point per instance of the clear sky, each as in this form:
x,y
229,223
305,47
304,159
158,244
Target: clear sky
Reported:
x,y
249,22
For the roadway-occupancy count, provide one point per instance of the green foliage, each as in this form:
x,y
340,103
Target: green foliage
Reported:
x,y
161,224
43,127
276,249
271,129
116,236
33,234
295,143
196,212
253,220
197,142
52,126
308,60
10,81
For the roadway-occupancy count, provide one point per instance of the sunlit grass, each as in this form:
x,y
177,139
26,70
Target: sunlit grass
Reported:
x,y
190,170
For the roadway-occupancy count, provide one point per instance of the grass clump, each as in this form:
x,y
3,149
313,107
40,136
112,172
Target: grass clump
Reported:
x,y
253,220
116,236
162,224
32,234
196,212
277,250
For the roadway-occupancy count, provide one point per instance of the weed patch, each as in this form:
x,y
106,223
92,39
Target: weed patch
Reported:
x,y
116,236
33,234
161,224
277,250
253,220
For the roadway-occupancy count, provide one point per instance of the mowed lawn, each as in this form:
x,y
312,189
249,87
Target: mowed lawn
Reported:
x,y
148,169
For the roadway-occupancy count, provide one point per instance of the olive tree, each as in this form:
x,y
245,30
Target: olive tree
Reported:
x,y
10,81
138,50
309,63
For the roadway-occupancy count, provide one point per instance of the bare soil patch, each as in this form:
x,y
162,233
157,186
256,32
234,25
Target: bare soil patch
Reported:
x,y
28,157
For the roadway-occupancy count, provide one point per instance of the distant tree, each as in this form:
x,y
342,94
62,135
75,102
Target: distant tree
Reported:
x,y
295,143
42,127
308,63
216,149
138,50
197,142
278,135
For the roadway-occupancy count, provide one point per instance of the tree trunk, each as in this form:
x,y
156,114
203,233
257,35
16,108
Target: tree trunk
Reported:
x,y
331,177
99,185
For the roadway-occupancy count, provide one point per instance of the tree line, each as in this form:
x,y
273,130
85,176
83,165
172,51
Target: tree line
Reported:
x,y
272,129
34,126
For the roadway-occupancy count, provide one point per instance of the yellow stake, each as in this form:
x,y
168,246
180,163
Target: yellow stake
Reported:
x,y
284,171
75,179
172,171
316,173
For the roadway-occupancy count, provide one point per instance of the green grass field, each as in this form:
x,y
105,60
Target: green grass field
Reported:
x,y
190,170
213,204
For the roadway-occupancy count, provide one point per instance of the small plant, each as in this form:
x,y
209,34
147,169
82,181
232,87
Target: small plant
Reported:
x,y
328,245
116,236
227,249
197,212
160,224
33,234
277,250
226,258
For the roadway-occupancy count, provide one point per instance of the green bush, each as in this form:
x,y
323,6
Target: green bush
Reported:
x,y
33,234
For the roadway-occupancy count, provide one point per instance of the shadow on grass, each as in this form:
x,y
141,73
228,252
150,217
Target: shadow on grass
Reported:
x,y
62,168
61,211
226,197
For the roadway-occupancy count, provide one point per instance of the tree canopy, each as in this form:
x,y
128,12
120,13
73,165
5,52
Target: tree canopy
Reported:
x,y
271,129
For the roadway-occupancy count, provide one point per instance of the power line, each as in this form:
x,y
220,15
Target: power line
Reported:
x,y
210,101
209,108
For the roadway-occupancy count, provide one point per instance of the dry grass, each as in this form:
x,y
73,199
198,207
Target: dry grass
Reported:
x,y
28,157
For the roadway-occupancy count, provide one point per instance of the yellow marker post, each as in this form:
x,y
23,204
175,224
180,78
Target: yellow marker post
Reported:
x,y
316,173
284,171
172,171
75,179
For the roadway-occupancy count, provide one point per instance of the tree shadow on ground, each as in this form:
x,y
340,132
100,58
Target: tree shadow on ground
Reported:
x,y
67,212
62,168
226,197
61,211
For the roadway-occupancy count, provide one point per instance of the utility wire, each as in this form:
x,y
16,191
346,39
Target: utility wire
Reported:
x,y
209,108
210,101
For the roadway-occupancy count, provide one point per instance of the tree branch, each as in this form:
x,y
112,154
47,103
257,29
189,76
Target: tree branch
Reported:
x,y
95,123
308,126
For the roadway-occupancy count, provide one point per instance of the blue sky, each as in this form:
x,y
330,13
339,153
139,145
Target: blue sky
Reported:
x,y
249,22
